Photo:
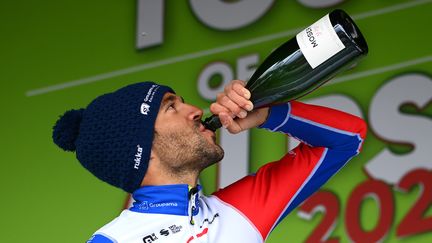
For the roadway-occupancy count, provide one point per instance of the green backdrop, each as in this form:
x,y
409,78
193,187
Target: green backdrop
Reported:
x,y
58,55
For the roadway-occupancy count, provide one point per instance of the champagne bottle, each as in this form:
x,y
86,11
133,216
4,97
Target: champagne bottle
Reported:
x,y
329,46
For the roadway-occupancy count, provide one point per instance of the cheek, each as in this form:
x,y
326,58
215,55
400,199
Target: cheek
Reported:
x,y
178,135
172,121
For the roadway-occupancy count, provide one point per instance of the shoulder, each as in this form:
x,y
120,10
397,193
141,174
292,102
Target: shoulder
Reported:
x,y
113,231
128,225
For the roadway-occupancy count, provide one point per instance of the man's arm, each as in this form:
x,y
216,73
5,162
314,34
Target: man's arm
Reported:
x,y
330,138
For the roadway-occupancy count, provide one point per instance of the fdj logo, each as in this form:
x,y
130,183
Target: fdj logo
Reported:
x,y
150,238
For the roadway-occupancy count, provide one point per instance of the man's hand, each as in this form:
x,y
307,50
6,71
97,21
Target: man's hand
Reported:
x,y
235,110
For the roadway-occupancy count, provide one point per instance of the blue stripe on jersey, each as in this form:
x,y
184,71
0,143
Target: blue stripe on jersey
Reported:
x,y
318,135
99,238
274,122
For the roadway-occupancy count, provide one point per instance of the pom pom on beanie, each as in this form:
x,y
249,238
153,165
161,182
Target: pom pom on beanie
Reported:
x,y
66,129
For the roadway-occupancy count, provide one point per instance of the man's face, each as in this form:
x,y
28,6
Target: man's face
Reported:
x,y
181,141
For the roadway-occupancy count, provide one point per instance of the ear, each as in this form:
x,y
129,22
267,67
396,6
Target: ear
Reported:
x,y
153,165
152,170
153,156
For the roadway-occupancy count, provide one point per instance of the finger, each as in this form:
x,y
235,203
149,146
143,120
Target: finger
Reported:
x,y
235,95
255,118
216,109
225,119
234,108
240,87
229,123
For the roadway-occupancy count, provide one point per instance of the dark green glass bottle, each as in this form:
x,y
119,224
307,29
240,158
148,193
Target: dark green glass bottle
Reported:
x,y
326,48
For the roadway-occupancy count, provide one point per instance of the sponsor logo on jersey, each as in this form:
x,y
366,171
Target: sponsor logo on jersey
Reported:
x,y
164,232
145,205
150,238
175,229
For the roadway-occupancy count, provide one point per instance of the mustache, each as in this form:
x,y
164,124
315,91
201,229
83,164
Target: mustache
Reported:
x,y
197,124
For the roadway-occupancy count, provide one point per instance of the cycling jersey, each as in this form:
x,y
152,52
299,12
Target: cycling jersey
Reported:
x,y
249,209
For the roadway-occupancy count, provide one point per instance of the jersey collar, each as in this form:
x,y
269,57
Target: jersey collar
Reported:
x,y
165,199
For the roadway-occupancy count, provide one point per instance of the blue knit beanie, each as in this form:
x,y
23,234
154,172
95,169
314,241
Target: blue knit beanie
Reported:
x,y
113,136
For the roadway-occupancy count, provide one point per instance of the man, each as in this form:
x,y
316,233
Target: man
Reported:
x,y
144,139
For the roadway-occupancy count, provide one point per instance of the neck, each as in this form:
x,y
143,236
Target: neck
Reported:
x,y
165,179
163,176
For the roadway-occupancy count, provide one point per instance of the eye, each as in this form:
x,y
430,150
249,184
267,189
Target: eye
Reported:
x,y
171,106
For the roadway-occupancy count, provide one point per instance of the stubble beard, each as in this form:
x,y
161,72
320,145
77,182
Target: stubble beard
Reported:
x,y
186,151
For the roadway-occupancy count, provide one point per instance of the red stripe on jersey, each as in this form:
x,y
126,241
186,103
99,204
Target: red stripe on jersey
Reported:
x,y
202,233
205,231
264,196
329,117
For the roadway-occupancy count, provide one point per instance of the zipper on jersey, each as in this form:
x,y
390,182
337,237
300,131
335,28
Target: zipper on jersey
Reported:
x,y
193,193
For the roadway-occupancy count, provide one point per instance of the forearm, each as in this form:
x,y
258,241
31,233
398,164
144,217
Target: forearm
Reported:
x,y
317,126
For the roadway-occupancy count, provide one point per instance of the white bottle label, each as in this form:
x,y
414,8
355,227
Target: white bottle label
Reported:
x,y
319,42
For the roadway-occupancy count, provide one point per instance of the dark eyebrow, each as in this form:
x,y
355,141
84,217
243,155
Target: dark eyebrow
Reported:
x,y
171,98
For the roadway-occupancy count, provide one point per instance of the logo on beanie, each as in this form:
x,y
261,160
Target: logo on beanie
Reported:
x,y
151,92
138,157
145,108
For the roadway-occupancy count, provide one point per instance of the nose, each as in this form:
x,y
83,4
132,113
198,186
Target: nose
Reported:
x,y
195,113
